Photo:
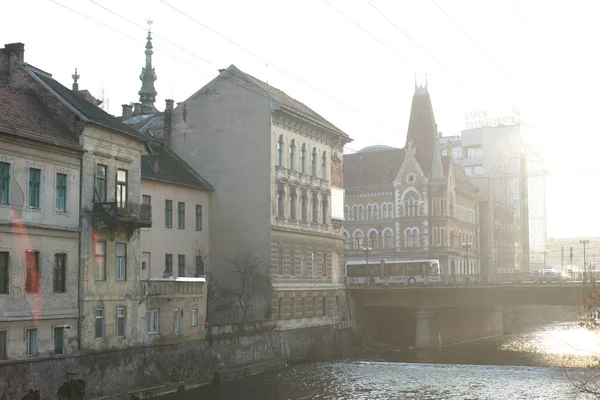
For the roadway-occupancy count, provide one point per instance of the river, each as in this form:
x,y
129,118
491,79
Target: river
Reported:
x,y
524,366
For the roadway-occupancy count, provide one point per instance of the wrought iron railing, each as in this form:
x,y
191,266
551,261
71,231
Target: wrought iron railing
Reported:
x,y
111,211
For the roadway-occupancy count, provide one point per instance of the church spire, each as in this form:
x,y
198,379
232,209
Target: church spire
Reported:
x,y
147,92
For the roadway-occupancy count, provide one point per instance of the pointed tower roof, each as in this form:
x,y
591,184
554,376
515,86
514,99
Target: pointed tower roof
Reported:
x,y
148,92
422,130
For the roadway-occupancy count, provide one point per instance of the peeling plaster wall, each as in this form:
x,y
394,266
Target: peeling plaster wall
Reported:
x,y
23,228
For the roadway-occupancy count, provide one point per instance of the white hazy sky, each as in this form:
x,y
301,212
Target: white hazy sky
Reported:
x,y
538,55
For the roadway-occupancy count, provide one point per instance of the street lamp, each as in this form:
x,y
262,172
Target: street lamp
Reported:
x,y
545,253
584,242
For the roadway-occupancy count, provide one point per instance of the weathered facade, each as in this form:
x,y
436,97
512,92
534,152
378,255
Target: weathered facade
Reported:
x,y
39,223
412,203
274,164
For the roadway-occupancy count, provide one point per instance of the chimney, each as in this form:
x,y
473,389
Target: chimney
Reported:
x,y
127,111
167,125
137,109
10,57
146,109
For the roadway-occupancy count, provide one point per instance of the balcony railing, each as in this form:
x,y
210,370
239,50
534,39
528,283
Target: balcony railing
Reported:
x,y
136,214
173,287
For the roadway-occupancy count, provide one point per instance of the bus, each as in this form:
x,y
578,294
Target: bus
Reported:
x,y
394,272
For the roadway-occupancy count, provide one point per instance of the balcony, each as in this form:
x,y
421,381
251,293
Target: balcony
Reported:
x,y
128,217
173,287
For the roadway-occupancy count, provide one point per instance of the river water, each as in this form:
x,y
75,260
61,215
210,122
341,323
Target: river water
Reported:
x,y
531,365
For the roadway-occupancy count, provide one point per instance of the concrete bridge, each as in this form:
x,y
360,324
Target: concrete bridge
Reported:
x,y
430,316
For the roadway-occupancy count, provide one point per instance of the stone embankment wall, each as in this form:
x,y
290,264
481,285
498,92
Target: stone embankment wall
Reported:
x,y
230,351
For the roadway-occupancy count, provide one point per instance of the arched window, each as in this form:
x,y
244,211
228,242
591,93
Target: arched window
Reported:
x,y
325,210
315,208
388,240
324,166
443,233
346,240
408,238
390,210
293,154
434,236
370,212
303,158
280,160
376,211
384,211
358,239
346,213
373,240
313,258
304,206
314,162
361,210
415,234
355,212
281,201
293,201
443,206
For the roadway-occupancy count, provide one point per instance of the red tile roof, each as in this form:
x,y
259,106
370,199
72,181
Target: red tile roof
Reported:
x,y
22,114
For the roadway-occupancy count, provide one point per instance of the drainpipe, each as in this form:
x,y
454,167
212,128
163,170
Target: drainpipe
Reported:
x,y
79,283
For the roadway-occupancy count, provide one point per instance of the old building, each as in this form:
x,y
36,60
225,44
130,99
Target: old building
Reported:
x,y
276,214
412,203
112,312
175,250
39,221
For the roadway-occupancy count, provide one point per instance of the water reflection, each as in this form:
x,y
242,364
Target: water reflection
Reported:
x,y
523,366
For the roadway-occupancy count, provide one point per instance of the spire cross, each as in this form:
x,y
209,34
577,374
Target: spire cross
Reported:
x,y
149,22
75,76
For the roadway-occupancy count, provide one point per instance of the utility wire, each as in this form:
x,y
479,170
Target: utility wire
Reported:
x,y
275,66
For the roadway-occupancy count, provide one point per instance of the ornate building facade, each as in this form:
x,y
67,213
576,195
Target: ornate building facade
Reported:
x,y
276,166
412,203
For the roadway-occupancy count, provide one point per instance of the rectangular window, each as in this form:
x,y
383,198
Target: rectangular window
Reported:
x,y
121,261
4,272
61,192
478,170
120,321
60,273
168,213
457,153
99,327
4,182
325,264
35,179
169,264
194,317
198,217
153,321
32,277
180,215
121,188
100,185
474,152
100,261
59,340
3,344
181,265
146,200
177,321
199,266
313,258
32,343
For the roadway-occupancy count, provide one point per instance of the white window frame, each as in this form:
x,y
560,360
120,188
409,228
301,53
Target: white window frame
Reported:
x,y
121,314
121,263
32,345
194,317
97,317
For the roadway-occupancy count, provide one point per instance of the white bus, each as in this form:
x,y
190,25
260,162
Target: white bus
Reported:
x,y
407,272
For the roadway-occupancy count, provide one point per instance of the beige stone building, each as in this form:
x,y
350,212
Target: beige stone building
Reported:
x,y
39,222
276,214
175,251
412,203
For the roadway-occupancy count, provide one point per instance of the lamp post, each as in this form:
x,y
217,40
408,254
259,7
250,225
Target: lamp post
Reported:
x,y
584,242
545,253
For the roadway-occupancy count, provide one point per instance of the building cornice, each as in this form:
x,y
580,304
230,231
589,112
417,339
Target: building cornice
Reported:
x,y
301,125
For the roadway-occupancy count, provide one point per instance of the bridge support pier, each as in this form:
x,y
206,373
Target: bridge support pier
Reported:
x,y
442,327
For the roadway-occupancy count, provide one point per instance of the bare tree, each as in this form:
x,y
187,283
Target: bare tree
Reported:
x,y
249,280
586,382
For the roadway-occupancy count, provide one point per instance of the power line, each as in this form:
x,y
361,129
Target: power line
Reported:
x,y
275,66
370,34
